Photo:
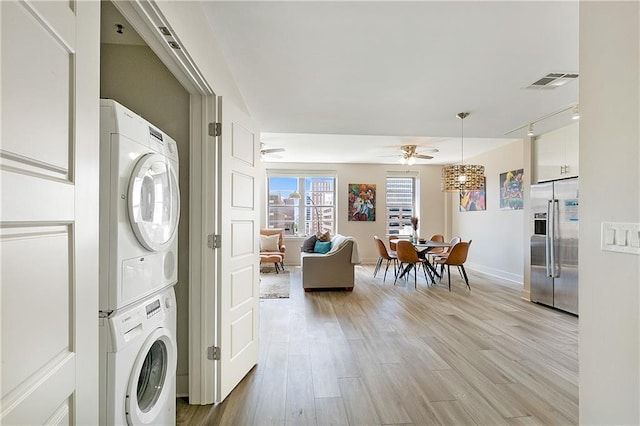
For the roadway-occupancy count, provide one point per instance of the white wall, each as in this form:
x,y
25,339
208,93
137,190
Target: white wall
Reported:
x,y
135,77
430,211
498,238
609,191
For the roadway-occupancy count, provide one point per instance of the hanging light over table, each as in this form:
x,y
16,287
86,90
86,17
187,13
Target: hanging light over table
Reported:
x,y
463,177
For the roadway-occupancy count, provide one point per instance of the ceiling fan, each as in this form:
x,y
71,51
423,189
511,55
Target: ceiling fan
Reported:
x,y
409,154
266,151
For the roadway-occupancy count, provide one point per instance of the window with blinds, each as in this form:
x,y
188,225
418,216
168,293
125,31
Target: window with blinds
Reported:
x,y
400,203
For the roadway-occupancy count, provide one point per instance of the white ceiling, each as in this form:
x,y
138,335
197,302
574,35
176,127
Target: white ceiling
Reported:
x,y
352,81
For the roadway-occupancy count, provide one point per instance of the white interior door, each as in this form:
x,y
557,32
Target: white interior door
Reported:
x,y
238,263
49,217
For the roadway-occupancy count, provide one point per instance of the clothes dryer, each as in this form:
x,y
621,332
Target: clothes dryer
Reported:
x,y
138,352
139,207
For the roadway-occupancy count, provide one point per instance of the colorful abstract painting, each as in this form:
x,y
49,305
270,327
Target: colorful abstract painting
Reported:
x,y
512,190
473,201
362,202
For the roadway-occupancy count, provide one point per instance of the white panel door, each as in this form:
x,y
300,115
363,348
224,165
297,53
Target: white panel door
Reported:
x,y
237,300
49,216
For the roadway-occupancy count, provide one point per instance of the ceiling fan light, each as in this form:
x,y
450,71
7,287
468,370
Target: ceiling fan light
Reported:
x,y
411,160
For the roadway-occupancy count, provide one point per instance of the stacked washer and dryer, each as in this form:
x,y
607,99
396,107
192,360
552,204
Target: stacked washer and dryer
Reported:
x,y
139,212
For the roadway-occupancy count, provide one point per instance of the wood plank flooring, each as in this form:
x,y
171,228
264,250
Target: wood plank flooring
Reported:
x,y
392,355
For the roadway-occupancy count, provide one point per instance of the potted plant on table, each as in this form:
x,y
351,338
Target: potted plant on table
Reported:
x,y
414,225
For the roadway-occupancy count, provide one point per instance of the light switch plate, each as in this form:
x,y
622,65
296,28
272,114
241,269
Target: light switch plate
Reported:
x,y
609,237
620,237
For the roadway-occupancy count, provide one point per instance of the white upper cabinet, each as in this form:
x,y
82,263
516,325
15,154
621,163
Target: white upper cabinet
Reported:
x,y
556,154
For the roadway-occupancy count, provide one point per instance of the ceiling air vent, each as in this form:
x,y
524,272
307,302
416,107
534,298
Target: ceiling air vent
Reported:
x,y
553,80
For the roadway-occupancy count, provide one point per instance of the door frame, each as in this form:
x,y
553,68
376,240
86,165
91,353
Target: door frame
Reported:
x,y
145,17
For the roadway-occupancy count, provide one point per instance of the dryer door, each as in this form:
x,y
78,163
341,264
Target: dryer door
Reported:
x,y
149,385
154,202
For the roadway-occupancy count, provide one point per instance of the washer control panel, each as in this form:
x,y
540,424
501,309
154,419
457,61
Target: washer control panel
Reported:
x,y
153,308
135,322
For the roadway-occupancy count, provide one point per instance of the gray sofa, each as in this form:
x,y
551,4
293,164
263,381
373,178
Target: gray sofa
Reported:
x,y
332,270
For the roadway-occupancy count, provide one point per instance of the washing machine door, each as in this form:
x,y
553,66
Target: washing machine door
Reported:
x,y
154,202
148,389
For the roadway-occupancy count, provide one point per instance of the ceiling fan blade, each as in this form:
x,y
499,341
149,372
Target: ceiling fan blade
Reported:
x,y
413,149
424,157
271,150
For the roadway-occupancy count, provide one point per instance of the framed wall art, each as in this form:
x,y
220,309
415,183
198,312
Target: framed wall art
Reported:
x,y
362,202
511,190
473,201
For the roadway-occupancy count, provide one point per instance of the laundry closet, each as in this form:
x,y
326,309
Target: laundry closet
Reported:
x,y
133,75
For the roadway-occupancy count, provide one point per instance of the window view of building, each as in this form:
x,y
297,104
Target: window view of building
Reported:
x,y
301,205
282,208
400,203
320,205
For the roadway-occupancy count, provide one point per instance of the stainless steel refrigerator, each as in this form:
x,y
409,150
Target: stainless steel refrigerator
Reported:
x,y
554,244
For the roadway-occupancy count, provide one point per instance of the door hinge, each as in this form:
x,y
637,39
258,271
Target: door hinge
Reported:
x,y
215,129
213,353
214,241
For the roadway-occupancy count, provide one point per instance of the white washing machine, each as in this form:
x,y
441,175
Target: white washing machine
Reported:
x,y
138,352
139,207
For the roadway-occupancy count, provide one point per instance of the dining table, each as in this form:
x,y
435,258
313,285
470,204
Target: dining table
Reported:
x,y
425,247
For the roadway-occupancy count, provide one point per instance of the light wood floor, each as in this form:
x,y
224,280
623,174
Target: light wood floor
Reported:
x,y
391,355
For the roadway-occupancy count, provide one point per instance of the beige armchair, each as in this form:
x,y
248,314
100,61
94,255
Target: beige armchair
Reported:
x,y
275,256
332,270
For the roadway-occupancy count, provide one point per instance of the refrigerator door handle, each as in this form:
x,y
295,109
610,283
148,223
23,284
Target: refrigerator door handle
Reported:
x,y
547,239
556,215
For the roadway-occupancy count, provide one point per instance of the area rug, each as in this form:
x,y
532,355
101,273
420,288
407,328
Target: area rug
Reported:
x,y
275,286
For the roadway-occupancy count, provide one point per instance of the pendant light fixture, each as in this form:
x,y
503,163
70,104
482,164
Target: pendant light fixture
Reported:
x,y
463,177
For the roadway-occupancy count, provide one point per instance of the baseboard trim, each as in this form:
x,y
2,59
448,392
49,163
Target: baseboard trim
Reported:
x,y
514,280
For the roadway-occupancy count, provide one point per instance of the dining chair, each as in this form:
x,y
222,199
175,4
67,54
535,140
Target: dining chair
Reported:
x,y
445,252
408,258
457,256
438,238
392,242
389,255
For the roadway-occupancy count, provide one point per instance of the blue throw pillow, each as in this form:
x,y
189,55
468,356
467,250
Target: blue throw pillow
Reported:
x,y
309,245
321,247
